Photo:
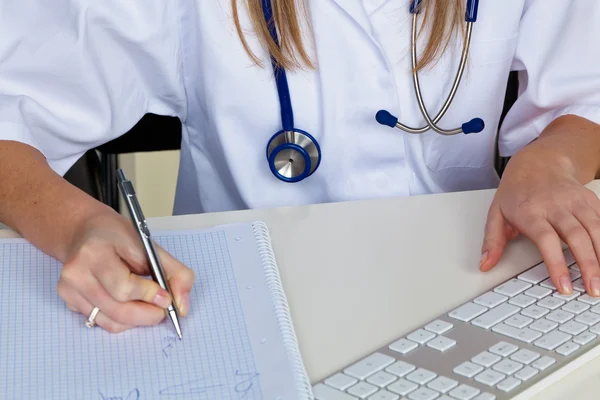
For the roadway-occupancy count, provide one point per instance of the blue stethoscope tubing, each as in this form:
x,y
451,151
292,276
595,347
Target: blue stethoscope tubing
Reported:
x,y
294,154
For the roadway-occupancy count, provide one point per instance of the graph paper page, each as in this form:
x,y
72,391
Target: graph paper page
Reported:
x,y
232,346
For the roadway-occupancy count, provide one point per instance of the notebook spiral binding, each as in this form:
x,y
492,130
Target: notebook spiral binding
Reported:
x,y
290,341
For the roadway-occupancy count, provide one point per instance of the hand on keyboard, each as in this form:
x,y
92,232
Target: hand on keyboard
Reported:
x,y
545,203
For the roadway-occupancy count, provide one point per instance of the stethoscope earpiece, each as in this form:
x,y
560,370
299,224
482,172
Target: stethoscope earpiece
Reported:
x,y
293,156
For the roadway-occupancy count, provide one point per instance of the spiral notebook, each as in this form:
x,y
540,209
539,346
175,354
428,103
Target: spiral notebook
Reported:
x,y
238,340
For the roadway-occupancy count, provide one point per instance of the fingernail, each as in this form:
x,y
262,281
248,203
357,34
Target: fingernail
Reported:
x,y
185,304
565,284
595,286
162,298
483,259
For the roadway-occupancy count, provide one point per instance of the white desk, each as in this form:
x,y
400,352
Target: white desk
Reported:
x,y
358,275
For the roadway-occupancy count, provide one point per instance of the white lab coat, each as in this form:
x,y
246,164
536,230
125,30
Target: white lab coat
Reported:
x,y
75,74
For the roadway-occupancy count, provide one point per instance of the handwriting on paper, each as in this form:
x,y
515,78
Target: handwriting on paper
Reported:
x,y
246,383
132,395
196,386
168,343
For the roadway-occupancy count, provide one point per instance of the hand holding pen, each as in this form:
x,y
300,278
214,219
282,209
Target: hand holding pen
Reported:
x,y
102,276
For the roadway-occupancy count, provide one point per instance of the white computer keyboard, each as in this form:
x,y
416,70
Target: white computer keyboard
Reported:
x,y
491,348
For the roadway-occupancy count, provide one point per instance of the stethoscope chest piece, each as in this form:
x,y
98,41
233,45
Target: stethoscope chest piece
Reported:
x,y
293,155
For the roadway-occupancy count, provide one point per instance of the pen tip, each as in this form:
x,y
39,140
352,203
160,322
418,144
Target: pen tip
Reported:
x,y
175,321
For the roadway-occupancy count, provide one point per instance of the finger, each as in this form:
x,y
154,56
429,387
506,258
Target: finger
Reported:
x,y
495,239
127,313
124,286
590,269
106,323
539,230
79,304
578,239
181,280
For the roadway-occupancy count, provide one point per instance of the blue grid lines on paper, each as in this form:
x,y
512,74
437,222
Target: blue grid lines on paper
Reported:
x,y
227,362
47,353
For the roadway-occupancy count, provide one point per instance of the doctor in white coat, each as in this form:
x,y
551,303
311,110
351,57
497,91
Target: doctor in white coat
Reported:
x,y
75,74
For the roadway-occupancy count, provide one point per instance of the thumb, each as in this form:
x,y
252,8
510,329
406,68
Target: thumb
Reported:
x,y
180,277
495,239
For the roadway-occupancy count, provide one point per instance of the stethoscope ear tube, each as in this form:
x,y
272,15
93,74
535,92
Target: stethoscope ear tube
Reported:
x,y
476,125
294,155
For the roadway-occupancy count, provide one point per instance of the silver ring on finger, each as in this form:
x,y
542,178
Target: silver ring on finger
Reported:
x,y
91,321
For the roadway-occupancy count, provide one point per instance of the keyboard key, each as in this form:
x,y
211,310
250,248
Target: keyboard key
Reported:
x,y
362,390
495,315
384,395
507,366
543,325
467,312
522,300
586,298
584,338
403,346
485,396
324,392
445,397
579,285
442,384
508,384
548,283
468,369
544,363
535,311
369,365
538,292
489,377
490,299
402,387
567,297
464,392
588,318
552,340
551,303
526,335
423,394
575,273
438,326
503,349
536,274
441,343
340,381
518,321
486,359
595,329
596,309
573,328
567,348
525,356
381,379
560,316
421,336
421,376
400,368
576,307
513,287
526,373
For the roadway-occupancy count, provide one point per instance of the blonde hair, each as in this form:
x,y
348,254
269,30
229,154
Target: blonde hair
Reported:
x,y
446,18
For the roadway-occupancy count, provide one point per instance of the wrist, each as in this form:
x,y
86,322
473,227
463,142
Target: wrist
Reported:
x,y
570,144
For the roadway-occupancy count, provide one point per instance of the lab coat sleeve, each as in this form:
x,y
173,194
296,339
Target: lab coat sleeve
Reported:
x,y
558,59
75,74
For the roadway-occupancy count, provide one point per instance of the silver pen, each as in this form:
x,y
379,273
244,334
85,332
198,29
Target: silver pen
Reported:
x,y
156,269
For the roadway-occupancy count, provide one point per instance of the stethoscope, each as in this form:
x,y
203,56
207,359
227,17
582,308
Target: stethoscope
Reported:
x,y
294,154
